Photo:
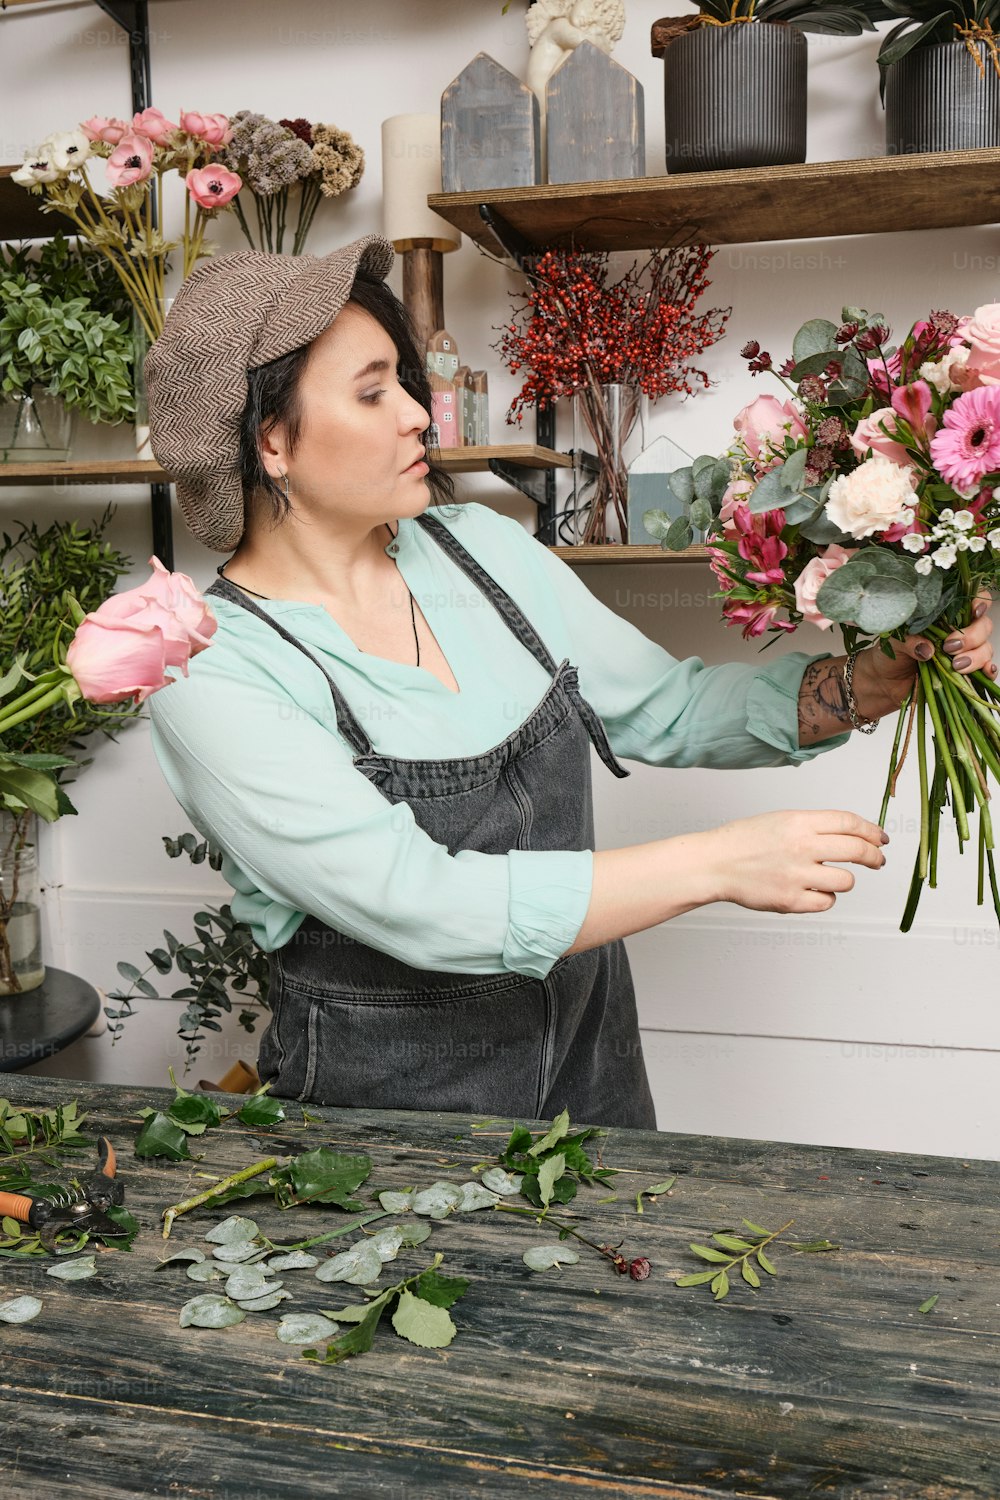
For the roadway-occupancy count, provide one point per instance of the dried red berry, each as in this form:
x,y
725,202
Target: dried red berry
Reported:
x,y
639,1269
750,350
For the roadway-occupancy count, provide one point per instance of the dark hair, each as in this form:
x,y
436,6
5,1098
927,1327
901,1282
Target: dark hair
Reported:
x,y
273,396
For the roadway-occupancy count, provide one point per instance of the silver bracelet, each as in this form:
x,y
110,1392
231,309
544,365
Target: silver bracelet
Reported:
x,y
867,726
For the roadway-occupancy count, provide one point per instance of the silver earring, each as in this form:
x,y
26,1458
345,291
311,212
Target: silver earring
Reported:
x,y
285,478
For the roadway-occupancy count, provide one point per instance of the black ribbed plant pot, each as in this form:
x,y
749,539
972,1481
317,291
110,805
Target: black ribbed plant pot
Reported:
x,y
936,99
735,96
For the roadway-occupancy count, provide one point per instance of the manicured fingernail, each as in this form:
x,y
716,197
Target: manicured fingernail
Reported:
x,y
961,662
980,610
925,650
954,644
992,669
885,837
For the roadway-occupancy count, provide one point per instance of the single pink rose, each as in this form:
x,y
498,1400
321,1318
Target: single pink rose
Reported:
x,y
215,129
959,336
813,576
213,186
99,128
114,659
868,434
983,336
153,124
131,161
177,592
147,614
767,422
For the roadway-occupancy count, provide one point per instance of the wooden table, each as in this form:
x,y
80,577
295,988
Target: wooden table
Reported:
x,y
36,1023
827,1382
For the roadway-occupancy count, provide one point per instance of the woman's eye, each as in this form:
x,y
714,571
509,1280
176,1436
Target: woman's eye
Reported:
x,y
374,397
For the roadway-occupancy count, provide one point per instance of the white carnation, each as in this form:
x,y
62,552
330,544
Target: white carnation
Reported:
x,y
940,373
872,497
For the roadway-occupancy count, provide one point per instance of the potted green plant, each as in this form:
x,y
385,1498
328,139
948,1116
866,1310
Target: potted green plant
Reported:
x,y
65,347
734,78
939,75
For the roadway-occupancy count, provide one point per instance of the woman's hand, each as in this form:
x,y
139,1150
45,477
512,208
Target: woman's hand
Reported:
x,y
882,684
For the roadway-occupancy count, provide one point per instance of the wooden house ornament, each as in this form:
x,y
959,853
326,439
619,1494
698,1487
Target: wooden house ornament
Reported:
x,y
490,130
459,395
647,488
594,120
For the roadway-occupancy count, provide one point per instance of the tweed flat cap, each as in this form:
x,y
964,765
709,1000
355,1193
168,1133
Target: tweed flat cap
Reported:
x,y
231,314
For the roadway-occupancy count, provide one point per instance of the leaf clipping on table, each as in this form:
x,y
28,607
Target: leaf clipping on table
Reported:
x,y
161,1136
544,1257
422,1322
210,1311
322,1176
652,1192
20,1309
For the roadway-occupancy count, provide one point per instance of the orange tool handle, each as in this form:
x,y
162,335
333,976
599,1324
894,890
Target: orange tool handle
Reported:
x,y
110,1164
17,1206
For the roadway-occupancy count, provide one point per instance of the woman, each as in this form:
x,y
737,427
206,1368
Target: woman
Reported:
x,y
390,737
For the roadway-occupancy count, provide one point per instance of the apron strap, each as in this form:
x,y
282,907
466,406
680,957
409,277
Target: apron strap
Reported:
x,y
347,724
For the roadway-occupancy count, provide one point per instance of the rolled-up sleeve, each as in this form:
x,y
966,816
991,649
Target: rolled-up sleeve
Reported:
x,y
669,712
302,831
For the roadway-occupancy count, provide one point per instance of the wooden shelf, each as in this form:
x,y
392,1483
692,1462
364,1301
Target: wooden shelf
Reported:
x,y
616,553
808,200
21,217
468,460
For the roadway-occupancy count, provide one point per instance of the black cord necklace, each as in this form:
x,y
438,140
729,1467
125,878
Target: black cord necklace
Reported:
x,y
413,613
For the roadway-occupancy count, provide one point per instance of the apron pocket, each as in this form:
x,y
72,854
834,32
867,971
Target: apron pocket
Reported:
x,y
481,1050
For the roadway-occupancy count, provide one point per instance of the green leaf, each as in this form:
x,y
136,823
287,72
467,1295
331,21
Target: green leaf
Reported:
x,y
720,1286
398,1203
765,1264
360,1265
262,1111
680,535
560,1127
496,1180
443,1291
20,1309
550,1170
925,1307
160,1136
815,337
749,1274
195,1112
543,1257
304,1328
695,1278
324,1176
233,1231
730,1242
476,1195
210,1311
812,1247
191,1254
423,1323
651,1192
356,1340
295,1260
707,1253
438,1201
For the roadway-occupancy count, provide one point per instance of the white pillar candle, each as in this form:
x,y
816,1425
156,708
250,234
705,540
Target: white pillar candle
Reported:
x,y
411,168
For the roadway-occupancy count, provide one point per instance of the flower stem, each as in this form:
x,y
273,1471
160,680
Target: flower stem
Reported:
x,y
941,743
170,1214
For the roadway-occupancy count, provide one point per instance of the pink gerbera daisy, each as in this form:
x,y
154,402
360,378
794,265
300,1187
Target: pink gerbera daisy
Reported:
x,y
967,446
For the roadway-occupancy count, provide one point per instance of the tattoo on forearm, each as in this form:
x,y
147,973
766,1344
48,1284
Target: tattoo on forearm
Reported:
x,y
822,702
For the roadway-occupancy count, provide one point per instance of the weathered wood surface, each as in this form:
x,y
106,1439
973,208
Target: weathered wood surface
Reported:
x,y
490,133
594,122
825,1383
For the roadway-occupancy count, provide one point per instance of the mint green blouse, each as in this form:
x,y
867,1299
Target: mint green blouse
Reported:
x,y
248,743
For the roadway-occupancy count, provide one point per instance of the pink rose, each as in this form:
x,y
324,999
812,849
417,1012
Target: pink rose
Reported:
x,y
99,128
983,335
813,576
767,422
213,186
214,129
131,161
120,650
154,125
868,434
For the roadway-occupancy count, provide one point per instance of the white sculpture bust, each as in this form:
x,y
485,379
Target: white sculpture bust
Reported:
x,y
555,27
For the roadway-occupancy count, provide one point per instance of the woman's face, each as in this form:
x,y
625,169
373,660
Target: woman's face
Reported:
x,y
360,432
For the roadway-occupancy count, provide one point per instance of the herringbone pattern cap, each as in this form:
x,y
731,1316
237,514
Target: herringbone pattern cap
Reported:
x,y
231,314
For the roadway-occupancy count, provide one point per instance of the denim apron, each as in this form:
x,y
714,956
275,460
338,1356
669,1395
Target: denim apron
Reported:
x,y
355,1027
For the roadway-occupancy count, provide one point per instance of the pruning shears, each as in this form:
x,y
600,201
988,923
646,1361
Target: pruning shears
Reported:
x,y
81,1208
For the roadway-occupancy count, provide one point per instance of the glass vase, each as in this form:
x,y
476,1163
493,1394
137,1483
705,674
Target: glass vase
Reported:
x,y
21,966
35,428
610,420
140,348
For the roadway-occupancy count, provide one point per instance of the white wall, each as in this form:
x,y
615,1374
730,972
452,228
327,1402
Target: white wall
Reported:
x,y
832,1029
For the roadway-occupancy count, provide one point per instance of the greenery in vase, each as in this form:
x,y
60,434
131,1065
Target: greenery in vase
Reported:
x,y
37,571
65,329
836,17
210,964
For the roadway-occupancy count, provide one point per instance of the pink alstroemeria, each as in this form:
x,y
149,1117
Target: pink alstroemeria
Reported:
x,y
131,161
100,128
913,403
153,124
877,368
215,129
213,186
760,543
755,618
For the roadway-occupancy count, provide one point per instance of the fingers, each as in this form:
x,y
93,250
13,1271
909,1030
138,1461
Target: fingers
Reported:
x,y
831,820
970,649
852,849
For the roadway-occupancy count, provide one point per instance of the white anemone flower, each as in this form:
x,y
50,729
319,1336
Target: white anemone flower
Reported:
x,y
37,168
69,149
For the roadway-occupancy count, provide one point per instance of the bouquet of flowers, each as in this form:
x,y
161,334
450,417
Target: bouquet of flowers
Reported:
x,y
871,500
580,335
272,156
120,225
